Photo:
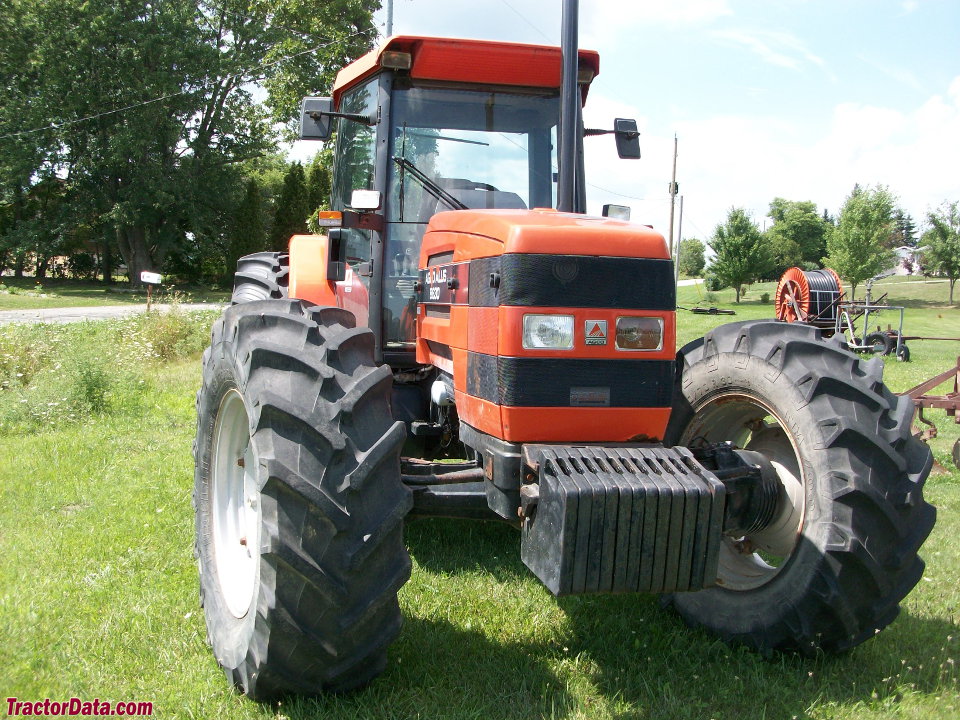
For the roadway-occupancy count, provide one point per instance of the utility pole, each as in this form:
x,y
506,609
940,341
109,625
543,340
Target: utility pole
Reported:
x,y
676,267
673,191
389,18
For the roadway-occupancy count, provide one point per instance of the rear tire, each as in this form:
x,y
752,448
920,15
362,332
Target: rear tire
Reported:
x,y
261,276
829,572
298,499
881,343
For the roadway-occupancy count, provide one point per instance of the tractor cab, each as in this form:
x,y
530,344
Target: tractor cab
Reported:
x,y
430,125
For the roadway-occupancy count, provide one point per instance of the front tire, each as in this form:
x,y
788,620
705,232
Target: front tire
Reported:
x,y
831,568
298,499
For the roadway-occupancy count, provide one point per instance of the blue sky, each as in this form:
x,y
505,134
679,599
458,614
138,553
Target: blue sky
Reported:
x,y
796,98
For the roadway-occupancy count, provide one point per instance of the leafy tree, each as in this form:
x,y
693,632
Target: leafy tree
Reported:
x,y
943,240
249,234
692,260
290,217
741,257
797,236
858,246
149,106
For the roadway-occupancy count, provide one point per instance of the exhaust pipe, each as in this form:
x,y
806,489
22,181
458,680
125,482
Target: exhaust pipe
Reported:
x,y
569,195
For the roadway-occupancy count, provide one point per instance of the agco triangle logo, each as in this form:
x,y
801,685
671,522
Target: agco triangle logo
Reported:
x,y
595,332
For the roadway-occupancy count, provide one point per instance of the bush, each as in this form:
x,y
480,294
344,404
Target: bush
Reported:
x,y
57,374
765,298
82,265
166,336
712,283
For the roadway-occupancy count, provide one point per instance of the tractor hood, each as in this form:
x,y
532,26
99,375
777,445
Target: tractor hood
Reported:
x,y
484,233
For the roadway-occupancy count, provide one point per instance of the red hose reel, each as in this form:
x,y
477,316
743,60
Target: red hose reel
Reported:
x,y
809,296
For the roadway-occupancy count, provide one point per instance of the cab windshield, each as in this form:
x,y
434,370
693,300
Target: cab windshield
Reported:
x,y
455,149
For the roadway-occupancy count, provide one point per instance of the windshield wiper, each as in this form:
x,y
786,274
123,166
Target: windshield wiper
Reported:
x,y
429,185
431,136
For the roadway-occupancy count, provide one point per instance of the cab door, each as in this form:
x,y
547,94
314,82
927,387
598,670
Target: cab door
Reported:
x,y
356,169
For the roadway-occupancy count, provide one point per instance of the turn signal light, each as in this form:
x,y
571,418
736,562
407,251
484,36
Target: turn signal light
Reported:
x,y
639,333
329,218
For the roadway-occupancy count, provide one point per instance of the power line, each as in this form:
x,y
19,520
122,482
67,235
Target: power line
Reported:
x,y
262,66
528,22
273,24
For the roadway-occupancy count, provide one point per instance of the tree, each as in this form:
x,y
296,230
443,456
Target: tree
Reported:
x,y
943,241
858,246
319,180
147,107
797,236
741,257
904,229
290,217
692,259
249,234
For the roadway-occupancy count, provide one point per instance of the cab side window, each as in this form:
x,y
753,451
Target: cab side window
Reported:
x,y
356,166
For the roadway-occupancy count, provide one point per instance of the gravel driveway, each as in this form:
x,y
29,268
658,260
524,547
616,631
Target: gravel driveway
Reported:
x,y
102,312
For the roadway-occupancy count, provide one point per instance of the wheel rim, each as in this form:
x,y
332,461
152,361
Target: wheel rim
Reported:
x,y
236,505
751,424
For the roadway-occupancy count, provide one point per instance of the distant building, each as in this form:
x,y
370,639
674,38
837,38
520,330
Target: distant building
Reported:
x,y
908,260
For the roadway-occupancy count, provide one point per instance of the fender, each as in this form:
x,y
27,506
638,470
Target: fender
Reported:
x,y
308,270
309,279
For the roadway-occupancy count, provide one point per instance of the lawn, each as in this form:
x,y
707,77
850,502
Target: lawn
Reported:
x,y
24,294
99,588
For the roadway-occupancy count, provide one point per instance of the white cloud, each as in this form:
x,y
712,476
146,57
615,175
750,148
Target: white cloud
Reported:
x,y
616,13
901,75
774,47
746,161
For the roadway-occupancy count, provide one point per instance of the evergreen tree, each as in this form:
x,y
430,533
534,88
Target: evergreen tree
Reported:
x,y
248,234
858,246
290,217
319,180
904,229
741,256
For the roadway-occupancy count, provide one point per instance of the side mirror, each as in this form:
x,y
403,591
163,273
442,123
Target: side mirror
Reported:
x,y
628,138
315,116
365,200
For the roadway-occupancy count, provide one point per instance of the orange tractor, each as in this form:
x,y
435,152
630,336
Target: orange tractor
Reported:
x,y
462,308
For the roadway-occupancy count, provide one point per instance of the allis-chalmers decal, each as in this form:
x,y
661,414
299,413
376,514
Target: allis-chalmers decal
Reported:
x,y
595,332
445,284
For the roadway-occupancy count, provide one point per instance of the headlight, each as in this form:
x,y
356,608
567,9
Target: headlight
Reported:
x,y
548,332
639,333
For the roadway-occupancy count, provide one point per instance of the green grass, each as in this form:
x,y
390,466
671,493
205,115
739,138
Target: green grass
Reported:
x,y
98,593
22,294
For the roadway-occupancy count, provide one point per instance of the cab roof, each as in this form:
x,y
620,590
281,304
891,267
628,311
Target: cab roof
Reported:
x,y
483,62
